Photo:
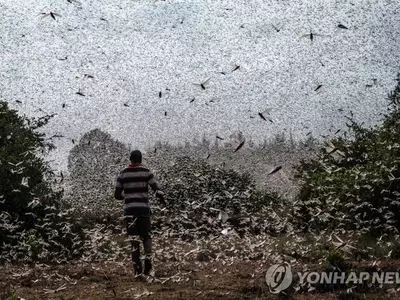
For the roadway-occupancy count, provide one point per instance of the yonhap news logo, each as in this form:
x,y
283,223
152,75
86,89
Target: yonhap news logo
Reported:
x,y
279,277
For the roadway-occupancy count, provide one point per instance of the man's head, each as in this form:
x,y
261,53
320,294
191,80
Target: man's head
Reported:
x,y
136,157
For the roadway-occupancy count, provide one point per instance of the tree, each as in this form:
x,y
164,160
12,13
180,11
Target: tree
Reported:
x,y
32,224
23,186
353,184
94,164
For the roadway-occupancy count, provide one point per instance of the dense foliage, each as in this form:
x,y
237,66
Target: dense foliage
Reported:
x,y
204,200
32,225
94,163
353,184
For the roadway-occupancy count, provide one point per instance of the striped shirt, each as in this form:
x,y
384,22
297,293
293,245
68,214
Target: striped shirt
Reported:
x,y
134,181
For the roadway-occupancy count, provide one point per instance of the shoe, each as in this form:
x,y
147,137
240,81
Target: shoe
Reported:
x,y
148,266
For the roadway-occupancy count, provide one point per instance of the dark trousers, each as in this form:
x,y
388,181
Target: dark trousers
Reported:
x,y
139,230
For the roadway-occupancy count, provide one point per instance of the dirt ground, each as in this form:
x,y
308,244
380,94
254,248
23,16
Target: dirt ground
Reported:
x,y
114,280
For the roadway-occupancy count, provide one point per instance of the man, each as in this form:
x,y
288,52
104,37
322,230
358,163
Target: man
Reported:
x,y
132,186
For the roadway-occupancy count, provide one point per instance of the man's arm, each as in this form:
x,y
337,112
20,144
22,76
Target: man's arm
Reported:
x,y
153,182
154,186
118,189
118,193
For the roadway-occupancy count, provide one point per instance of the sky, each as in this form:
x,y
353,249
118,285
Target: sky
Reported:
x,y
133,50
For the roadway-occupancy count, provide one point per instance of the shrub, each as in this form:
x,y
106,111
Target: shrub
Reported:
x,y
94,164
353,184
197,193
32,223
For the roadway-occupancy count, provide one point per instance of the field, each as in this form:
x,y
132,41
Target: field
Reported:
x,y
236,279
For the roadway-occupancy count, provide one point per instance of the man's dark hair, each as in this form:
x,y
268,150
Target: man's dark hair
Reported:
x,y
136,156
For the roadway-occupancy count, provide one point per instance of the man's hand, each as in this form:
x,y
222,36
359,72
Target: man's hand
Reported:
x,y
118,193
160,197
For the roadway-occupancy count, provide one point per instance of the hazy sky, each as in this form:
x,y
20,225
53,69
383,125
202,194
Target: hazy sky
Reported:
x,y
135,49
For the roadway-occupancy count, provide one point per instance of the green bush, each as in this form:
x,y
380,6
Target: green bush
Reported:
x,y
353,184
32,223
22,170
197,192
195,181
